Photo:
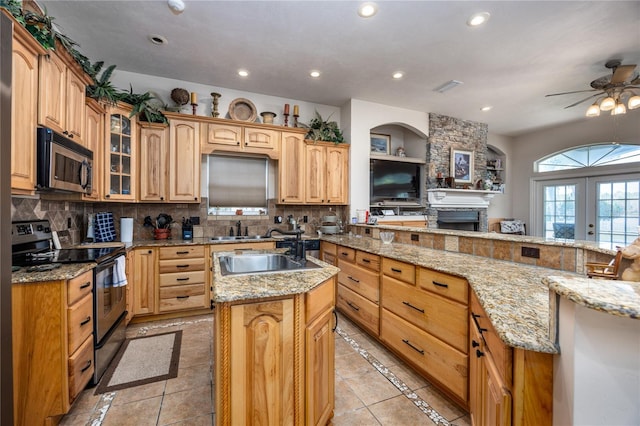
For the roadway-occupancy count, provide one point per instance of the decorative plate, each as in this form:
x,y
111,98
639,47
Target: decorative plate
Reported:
x,y
243,110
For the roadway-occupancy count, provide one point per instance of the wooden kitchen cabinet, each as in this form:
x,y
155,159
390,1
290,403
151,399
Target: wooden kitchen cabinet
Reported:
x,y
153,161
240,137
328,253
291,170
182,278
144,282
52,336
94,141
326,173
120,154
184,160
61,100
24,110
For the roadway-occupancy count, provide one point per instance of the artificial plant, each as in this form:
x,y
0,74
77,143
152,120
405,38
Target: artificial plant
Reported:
x,y
323,130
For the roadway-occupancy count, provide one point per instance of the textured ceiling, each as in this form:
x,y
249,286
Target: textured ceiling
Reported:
x,y
526,50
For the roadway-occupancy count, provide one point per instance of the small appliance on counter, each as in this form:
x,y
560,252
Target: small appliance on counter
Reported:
x,y
187,229
330,225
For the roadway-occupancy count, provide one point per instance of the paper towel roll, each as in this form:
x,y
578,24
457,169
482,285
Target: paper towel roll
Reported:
x,y
126,229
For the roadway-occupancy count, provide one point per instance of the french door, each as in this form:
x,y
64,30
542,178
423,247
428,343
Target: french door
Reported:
x,y
604,209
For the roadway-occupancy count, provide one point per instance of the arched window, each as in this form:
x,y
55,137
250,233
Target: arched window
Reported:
x,y
589,156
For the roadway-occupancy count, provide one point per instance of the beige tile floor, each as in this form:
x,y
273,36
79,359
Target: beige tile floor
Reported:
x,y
373,387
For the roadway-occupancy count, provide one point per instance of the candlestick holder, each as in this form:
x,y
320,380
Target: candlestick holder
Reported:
x,y
214,108
295,120
286,120
193,108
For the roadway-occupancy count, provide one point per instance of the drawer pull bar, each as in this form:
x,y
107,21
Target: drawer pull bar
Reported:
x,y
87,367
365,260
182,252
408,343
182,266
436,283
396,270
85,285
335,315
352,306
344,253
182,297
353,279
86,321
182,279
413,307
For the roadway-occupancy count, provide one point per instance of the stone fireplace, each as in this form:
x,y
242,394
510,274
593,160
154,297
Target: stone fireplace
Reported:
x,y
460,209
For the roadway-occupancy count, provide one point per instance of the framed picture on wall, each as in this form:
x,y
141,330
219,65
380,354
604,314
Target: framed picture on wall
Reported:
x,y
462,165
380,143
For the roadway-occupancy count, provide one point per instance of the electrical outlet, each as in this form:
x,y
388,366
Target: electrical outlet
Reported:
x,y
415,237
367,231
68,223
195,220
305,219
533,252
277,219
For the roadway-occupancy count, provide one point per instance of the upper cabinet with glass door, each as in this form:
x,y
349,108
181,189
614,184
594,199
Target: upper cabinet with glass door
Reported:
x,y
120,154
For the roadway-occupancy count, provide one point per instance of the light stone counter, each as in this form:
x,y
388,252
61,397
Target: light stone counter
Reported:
x,y
513,295
64,272
232,288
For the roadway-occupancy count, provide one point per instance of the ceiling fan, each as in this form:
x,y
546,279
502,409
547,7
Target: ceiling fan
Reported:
x,y
611,90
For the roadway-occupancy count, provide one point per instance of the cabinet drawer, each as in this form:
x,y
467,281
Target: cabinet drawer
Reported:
x,y
428,354
181,278
367,260
320,299
182,265
79,287
346,253
360,280
359,309
450,286
181,252
261,139
182,297
80,368
80,322
328,247
399,270
443,318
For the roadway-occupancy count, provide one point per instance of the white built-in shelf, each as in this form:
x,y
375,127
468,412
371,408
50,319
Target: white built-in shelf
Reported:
x,y
396,158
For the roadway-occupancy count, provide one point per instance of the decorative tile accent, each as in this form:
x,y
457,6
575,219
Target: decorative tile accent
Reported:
x,y
451,243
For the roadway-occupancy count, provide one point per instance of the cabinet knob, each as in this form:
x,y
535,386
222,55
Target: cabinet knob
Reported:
x,y
479,353
238,143
161,198
150,252
107,196
474,344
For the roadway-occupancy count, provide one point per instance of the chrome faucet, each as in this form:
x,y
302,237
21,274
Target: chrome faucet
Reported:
x,y
238,228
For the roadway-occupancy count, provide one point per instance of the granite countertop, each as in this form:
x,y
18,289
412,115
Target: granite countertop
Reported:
x,y
63,272
513,295
232,288
620,298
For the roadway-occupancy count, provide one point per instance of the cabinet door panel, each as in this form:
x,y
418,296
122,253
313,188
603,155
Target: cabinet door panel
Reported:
x,y
144,291
337,175
291,169
184,161
153,164
260,139
51,108
74,108
315,174
320,374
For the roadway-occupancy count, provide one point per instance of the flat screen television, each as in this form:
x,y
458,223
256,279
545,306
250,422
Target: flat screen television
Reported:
x,y
394,180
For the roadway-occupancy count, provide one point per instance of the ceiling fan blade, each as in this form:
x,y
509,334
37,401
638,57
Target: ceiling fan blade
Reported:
x,y
568,93
585,99
622,73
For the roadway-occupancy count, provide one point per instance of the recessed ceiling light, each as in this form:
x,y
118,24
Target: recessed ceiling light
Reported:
x,y
486,108
478,19
243,73
398,75
314,74
176,6
367,10
157,39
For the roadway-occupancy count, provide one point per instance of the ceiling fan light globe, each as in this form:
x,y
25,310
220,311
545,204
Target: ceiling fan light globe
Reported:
x,y
593,111
607,104
619,109
634,102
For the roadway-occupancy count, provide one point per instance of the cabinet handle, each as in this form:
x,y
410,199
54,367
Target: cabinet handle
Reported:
x,y
182,279
408,343
475,315
352,306
65,132
365,260
85,285
161,198
335,315
150,252
345,254
182,252
237,142
107,196
182,297
353,279
182,266
474,344
413,307
479,353
85,321
436,283
87,367
396,270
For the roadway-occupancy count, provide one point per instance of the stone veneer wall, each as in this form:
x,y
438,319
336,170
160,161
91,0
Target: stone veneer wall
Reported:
x,y
60,212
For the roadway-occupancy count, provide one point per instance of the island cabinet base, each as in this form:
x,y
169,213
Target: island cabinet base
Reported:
x,y
274,359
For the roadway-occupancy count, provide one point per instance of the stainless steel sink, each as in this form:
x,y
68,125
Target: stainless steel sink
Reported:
x,y
250,263
238,238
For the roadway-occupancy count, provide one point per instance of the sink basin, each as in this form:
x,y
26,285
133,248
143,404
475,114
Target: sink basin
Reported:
x,y
238,238
250,263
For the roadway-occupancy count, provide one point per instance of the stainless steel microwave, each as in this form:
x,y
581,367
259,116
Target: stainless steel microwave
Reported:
x,y
62,164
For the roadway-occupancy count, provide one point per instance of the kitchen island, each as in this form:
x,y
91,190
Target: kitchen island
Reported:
x,y
274,346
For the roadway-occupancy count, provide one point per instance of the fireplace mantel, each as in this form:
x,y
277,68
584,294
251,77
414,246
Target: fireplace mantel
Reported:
x,y
459,198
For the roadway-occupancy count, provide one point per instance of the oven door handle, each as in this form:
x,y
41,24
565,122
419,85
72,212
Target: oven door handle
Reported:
x,y
106,265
